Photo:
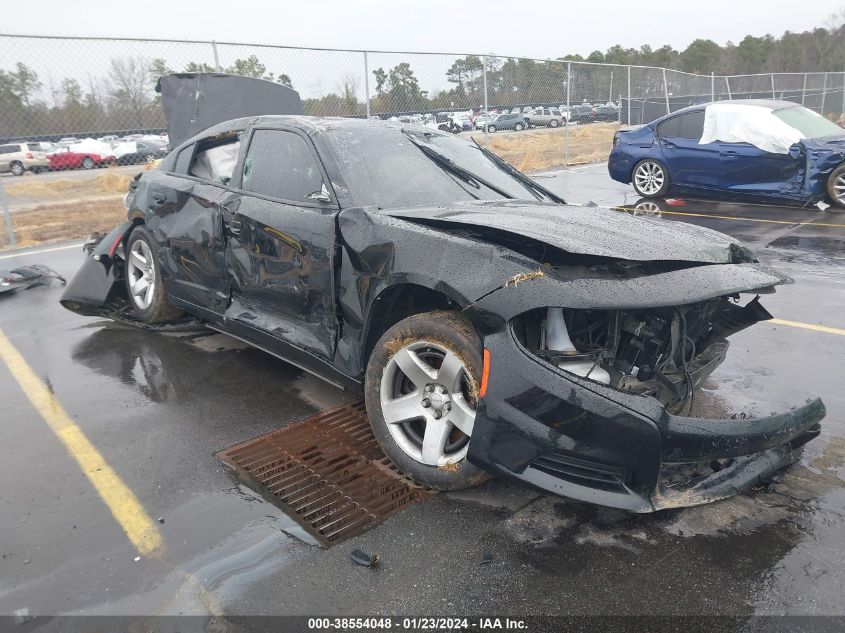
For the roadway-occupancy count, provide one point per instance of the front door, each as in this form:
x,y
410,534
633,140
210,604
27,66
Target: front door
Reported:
x,y
280,242
749,169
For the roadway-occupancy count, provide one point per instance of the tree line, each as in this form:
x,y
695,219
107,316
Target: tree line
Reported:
x,y
124,98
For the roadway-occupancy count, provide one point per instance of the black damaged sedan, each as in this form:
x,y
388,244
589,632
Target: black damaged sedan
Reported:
x,y
491,327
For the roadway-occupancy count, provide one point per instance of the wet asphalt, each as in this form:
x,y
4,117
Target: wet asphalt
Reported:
x,y
159,406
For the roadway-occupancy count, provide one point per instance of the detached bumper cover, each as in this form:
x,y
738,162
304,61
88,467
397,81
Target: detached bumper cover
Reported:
x,y
590,442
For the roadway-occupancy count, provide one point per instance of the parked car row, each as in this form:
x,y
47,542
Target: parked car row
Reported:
x,y
88,153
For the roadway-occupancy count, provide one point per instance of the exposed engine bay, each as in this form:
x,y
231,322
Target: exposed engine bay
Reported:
x,y
661,352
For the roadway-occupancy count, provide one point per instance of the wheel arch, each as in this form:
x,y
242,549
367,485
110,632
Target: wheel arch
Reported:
x,y
398,301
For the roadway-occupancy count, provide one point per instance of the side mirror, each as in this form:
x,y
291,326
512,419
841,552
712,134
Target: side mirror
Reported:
x,y
322,196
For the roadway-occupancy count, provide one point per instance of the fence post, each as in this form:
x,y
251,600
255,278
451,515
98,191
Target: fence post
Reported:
x,y
486,121
629,96
824,95
728,86
569,105
216,58
367,84
773,86
804,89
712,86
10,230
666,91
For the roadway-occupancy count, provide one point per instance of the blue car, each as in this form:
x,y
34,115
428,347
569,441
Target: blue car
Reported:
x,y
754,150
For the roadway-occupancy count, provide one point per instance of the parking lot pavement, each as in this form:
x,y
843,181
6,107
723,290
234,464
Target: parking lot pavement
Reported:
x,y
156,407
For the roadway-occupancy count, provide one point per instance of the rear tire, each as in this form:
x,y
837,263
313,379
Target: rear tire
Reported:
x,y
17,169
650,178
518,127
553,123
836,186
144,285
491,128
88,163
420,390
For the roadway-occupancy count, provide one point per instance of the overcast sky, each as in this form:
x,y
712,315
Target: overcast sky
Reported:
x,y
537,28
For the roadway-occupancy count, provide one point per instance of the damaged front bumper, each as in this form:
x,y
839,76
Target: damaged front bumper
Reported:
x,y
587,441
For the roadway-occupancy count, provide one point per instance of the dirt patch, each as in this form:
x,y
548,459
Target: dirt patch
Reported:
x,y
540,149
108,182
65,221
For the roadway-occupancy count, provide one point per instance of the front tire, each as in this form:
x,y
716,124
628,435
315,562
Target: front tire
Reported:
x,y
553,123
491,128
836,186
144,285
518,127
421,390
650,179
88,163
17,169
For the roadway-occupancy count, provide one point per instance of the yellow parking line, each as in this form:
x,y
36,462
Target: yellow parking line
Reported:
x,y
741,219
809,326
124,506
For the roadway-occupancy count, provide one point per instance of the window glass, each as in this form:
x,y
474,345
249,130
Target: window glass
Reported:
x,y
689,125
279,164
810,124
8,149
183,160
33,147
216,162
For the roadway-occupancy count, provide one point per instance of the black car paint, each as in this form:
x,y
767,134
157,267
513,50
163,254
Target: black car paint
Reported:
x,y
338,275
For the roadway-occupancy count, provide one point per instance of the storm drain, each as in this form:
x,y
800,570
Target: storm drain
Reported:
x,y
327,472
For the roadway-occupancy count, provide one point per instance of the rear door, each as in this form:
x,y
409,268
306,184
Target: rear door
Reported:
x,y
186,219
690,164
6,152
280,243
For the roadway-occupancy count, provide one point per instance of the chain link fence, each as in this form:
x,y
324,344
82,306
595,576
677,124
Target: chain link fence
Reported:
x,y
62,99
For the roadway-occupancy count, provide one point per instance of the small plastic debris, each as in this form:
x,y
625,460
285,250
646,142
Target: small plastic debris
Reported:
x,y
26,562
823,206
360,557
137,558
22,615
161,520
486,557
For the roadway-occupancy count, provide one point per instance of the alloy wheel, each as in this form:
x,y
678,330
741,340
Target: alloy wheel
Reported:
x,y
649,178
141,273
427,404
839,189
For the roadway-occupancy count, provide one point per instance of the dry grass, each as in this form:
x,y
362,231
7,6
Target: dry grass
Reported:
x,y
535,150
55,222
110,181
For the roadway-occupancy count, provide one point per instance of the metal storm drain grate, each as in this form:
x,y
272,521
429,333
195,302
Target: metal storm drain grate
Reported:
x,y
328,472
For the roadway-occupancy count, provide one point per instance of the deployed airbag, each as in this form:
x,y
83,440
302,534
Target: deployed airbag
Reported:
x,y
756,125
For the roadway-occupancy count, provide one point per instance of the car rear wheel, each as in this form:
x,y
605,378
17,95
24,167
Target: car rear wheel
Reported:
x,y
143,280
88,162
553,123
836,186
491,128
650,179
17,169
518,127
421,390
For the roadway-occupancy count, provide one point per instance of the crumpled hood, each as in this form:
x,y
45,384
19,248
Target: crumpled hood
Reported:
x,y
586,230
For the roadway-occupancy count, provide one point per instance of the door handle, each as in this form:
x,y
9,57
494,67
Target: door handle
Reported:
x,y
730,152
231,223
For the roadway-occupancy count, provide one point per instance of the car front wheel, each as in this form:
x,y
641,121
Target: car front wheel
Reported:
x,y
491,128
650,179
88,162
17,169
421,390
518,127
836,186
553,123
143,280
